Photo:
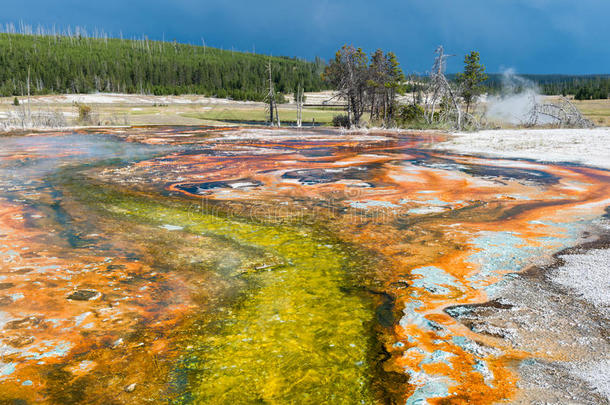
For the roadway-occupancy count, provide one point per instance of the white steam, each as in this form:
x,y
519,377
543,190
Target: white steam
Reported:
x,y
514,105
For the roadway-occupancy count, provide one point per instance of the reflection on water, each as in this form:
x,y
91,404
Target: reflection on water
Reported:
x,y
266,266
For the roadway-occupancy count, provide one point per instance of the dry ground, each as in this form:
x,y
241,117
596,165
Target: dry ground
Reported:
x,y
153,110
597,111
117,109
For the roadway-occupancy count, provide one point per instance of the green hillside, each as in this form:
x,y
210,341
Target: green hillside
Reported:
x,y
63,64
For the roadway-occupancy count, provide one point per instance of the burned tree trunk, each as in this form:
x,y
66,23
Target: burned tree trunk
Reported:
x,y
299,102
274,116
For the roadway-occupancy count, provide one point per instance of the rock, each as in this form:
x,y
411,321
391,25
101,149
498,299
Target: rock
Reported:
x,y
130,387
84,295
5,286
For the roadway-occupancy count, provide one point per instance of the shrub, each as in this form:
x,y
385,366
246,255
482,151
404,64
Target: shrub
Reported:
x,y
16,101
410,113
84,113
341,120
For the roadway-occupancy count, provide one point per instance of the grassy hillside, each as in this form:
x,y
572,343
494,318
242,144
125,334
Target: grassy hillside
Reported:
x,y
62,64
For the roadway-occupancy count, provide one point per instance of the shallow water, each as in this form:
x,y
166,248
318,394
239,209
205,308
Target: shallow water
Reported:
x,y
267,266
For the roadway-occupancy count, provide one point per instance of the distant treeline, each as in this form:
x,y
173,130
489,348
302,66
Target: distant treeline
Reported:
x,y
583,87
79,64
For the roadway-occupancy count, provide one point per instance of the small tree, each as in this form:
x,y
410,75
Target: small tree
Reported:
x,y
470,81
84,113
16,101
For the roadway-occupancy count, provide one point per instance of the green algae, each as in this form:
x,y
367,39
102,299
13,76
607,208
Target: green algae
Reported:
x,y
299,333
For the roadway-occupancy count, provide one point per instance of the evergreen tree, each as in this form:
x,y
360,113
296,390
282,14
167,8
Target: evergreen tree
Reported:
x,y
378,76
394,84
471,79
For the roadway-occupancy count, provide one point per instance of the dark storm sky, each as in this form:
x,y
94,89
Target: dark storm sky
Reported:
x,y
531,36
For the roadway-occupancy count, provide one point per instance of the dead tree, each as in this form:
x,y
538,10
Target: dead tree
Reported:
x,y
439,89
299,102
29,110
271,109
277,115
348,73
562,113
